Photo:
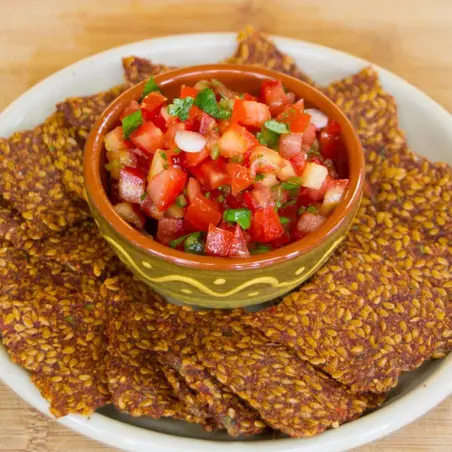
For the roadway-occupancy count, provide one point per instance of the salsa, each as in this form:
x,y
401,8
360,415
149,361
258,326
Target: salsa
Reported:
x,y
222,173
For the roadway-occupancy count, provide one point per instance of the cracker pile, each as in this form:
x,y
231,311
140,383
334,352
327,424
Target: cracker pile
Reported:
x,y
90,334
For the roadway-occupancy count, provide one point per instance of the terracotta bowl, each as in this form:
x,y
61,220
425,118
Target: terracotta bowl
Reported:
x,y
215,282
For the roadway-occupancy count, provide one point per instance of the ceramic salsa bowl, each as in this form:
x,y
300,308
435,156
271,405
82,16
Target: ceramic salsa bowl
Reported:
x,y
215,282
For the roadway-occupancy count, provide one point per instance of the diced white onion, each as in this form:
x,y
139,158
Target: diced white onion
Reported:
x,y
319,119
189,141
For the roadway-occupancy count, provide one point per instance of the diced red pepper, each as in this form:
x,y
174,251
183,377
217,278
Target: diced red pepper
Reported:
x,y
266,226
148,137
132,184
201,213
169,229
240,177
166,186
218,241
239,247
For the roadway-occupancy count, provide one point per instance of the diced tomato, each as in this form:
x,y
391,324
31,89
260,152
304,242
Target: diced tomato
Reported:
x,y
118,160
266,226
169,229
248,96
284,239
175,211
290,145
296,119
188,91
264,160
143,160
240,177
223,125
314,175
235,202
250,113
308,196
148,137
193,189
233,142
159,162
114,192
267,180
262,198
330,139
193,159
291,213
151,102
333,195
158,118
214,173
239,247
132,184
115,141
207,124
299,162
218,241
164,188
287,171
131,213
194,119
309,136
131,108
150,209
308,222
273,94
201,213
168,139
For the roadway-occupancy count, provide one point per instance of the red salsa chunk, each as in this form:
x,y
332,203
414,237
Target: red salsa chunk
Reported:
x,y
222,173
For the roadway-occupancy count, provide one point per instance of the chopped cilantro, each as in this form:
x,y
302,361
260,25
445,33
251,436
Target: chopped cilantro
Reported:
x,y
292,183
259,249
240,216
181,201
284,220
225,189
259,177
143,196
150,86
177,150
301,210
131,122
207,194
207,101
291,202
220,198
276,126
176,242
181,108
312,209
194,244
314,150
163,155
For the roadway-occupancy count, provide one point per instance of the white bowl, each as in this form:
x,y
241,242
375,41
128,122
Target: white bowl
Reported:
x,y
429,131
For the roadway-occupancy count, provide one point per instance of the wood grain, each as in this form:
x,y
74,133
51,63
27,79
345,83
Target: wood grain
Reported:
x,y
409,37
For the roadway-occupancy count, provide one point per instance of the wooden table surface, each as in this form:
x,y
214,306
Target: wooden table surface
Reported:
x,y
412,38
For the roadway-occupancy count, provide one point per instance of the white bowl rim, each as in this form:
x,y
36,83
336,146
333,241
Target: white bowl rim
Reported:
x,y
434,388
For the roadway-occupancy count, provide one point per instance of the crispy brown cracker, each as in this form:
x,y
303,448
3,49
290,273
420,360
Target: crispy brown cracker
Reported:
x,y
67,152
290,395
373,311
372,110
10,218
177,331
258,49
137,69
33,186
81,248
82,112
